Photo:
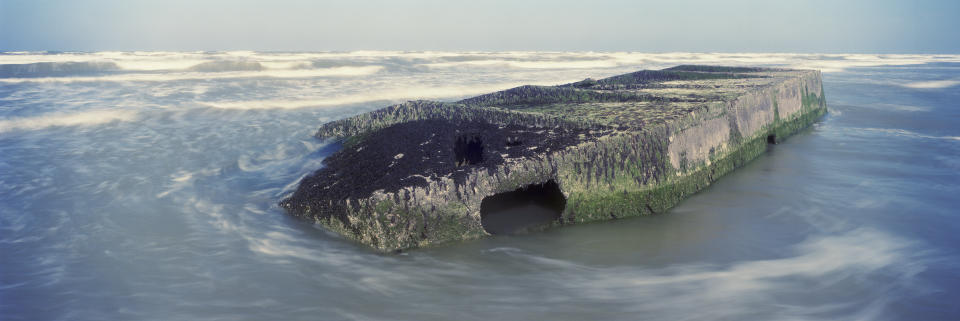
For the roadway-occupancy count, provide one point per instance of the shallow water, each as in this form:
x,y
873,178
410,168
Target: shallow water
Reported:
x,y
147,190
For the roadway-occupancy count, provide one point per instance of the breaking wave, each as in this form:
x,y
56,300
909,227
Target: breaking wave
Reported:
x,y
395,95
220,66
260,61
158,77
571,64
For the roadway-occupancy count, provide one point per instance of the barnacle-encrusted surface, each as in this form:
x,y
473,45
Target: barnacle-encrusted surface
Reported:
x,y
415,174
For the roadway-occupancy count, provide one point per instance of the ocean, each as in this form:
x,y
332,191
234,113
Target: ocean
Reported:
x,y
143,186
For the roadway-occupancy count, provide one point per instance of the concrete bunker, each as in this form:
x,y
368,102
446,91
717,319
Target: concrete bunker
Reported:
x,y
527,207
601,139
468,150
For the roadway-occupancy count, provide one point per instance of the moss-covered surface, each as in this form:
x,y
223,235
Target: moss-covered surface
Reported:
x,y
415,174
657,198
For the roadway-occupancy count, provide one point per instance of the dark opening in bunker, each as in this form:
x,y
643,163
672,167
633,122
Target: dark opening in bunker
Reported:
x,y
468,150
529,207
771,139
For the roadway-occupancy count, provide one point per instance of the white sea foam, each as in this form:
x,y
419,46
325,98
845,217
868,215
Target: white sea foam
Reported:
x,y
906,108
823,262
903,133
278,244
394,94
85,118
567,64
158,77
168,61
855,251
823,62
182,179
142,61
180,61
158,64
933,84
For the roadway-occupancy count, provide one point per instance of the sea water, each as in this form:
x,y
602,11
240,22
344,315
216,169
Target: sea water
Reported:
x,y
143,186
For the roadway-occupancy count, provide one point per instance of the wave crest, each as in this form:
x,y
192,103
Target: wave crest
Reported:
x,y
157,77
394,95
220,66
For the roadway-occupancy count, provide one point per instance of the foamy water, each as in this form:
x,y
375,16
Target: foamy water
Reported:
x,y
142,185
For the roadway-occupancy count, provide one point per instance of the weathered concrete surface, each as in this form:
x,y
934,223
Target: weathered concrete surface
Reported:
x,y
416,174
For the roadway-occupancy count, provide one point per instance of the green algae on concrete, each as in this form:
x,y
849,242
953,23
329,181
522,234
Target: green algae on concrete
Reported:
x,y
415,174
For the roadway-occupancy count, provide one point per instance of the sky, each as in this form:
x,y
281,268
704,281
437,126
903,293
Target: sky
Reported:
x,y
821,26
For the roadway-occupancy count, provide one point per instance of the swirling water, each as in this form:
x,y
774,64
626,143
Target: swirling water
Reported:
x,y
142,186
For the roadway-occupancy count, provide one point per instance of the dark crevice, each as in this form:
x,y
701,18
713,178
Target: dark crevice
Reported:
x,y
532,206
771,139
468,150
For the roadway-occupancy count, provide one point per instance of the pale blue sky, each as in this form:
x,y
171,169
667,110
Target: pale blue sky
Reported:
x,y
920,26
